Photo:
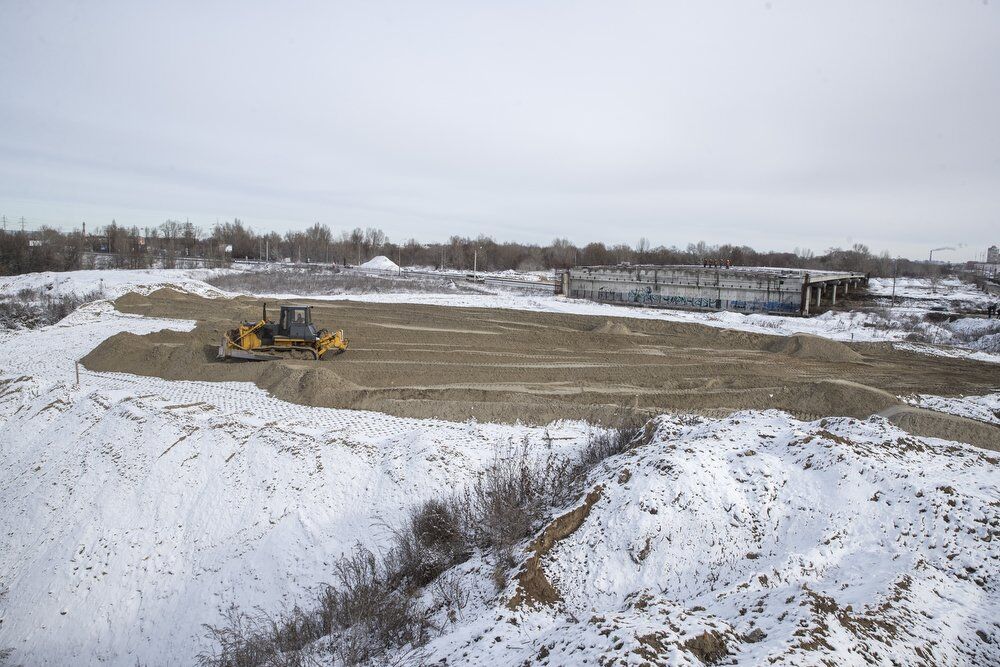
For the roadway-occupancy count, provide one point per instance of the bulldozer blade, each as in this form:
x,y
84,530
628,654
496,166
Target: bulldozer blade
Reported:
x,y
248,356
226,352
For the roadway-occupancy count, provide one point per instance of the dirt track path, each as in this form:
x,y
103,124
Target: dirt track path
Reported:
x,y
456,363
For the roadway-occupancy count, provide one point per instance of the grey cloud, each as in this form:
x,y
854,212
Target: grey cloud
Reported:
x,y
772,124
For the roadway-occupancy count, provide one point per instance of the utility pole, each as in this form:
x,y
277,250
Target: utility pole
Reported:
x,y
22,224
267,249
895,272
475,262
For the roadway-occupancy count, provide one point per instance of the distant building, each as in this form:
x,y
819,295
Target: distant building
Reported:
x,y
993,255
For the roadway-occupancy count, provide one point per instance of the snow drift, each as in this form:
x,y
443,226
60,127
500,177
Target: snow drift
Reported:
x,y
761,540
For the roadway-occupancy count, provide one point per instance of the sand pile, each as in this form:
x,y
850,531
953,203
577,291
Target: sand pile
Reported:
x,y
168,354
837,398
806,346
612,328
949,427
177,355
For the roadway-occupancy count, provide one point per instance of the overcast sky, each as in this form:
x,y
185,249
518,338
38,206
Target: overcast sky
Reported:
x,y
773,124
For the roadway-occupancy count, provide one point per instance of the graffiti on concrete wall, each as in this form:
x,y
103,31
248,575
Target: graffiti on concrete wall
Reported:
x,y
646,297
763,306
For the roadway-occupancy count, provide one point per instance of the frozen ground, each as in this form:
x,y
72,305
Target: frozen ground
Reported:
x,y
789,543
984,408
136,509
111,283
941,293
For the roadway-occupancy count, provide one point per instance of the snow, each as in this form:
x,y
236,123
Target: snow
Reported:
x,y
112,283
983,408
842,541
136,509
943,292
527,276
380,263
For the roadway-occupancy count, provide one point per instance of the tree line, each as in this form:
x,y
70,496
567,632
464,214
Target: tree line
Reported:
x,y
168,244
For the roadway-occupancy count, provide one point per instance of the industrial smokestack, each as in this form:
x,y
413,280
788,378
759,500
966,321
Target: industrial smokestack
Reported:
x,y
930,257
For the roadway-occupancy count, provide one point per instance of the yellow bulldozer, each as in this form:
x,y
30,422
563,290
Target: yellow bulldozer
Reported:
x,y
293,335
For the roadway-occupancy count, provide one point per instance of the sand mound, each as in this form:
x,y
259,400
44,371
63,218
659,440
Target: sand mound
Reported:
x,y
172,356
949,427
612,328
838,398
806,346
177,355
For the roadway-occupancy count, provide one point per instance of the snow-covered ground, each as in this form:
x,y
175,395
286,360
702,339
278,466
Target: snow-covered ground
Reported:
x,y
136,509
462,273
934,293
983,408
111,283
841,542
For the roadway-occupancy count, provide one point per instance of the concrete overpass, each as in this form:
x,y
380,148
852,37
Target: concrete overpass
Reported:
x,y
740,289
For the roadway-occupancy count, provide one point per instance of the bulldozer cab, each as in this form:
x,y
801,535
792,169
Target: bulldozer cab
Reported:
x,y
296,322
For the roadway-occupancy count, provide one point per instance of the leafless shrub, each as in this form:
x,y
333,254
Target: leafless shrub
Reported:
x,y
613,441
509,498
451,594
249,640
361,615
367,613
5,651
434,538
991,328
32,309
919,337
